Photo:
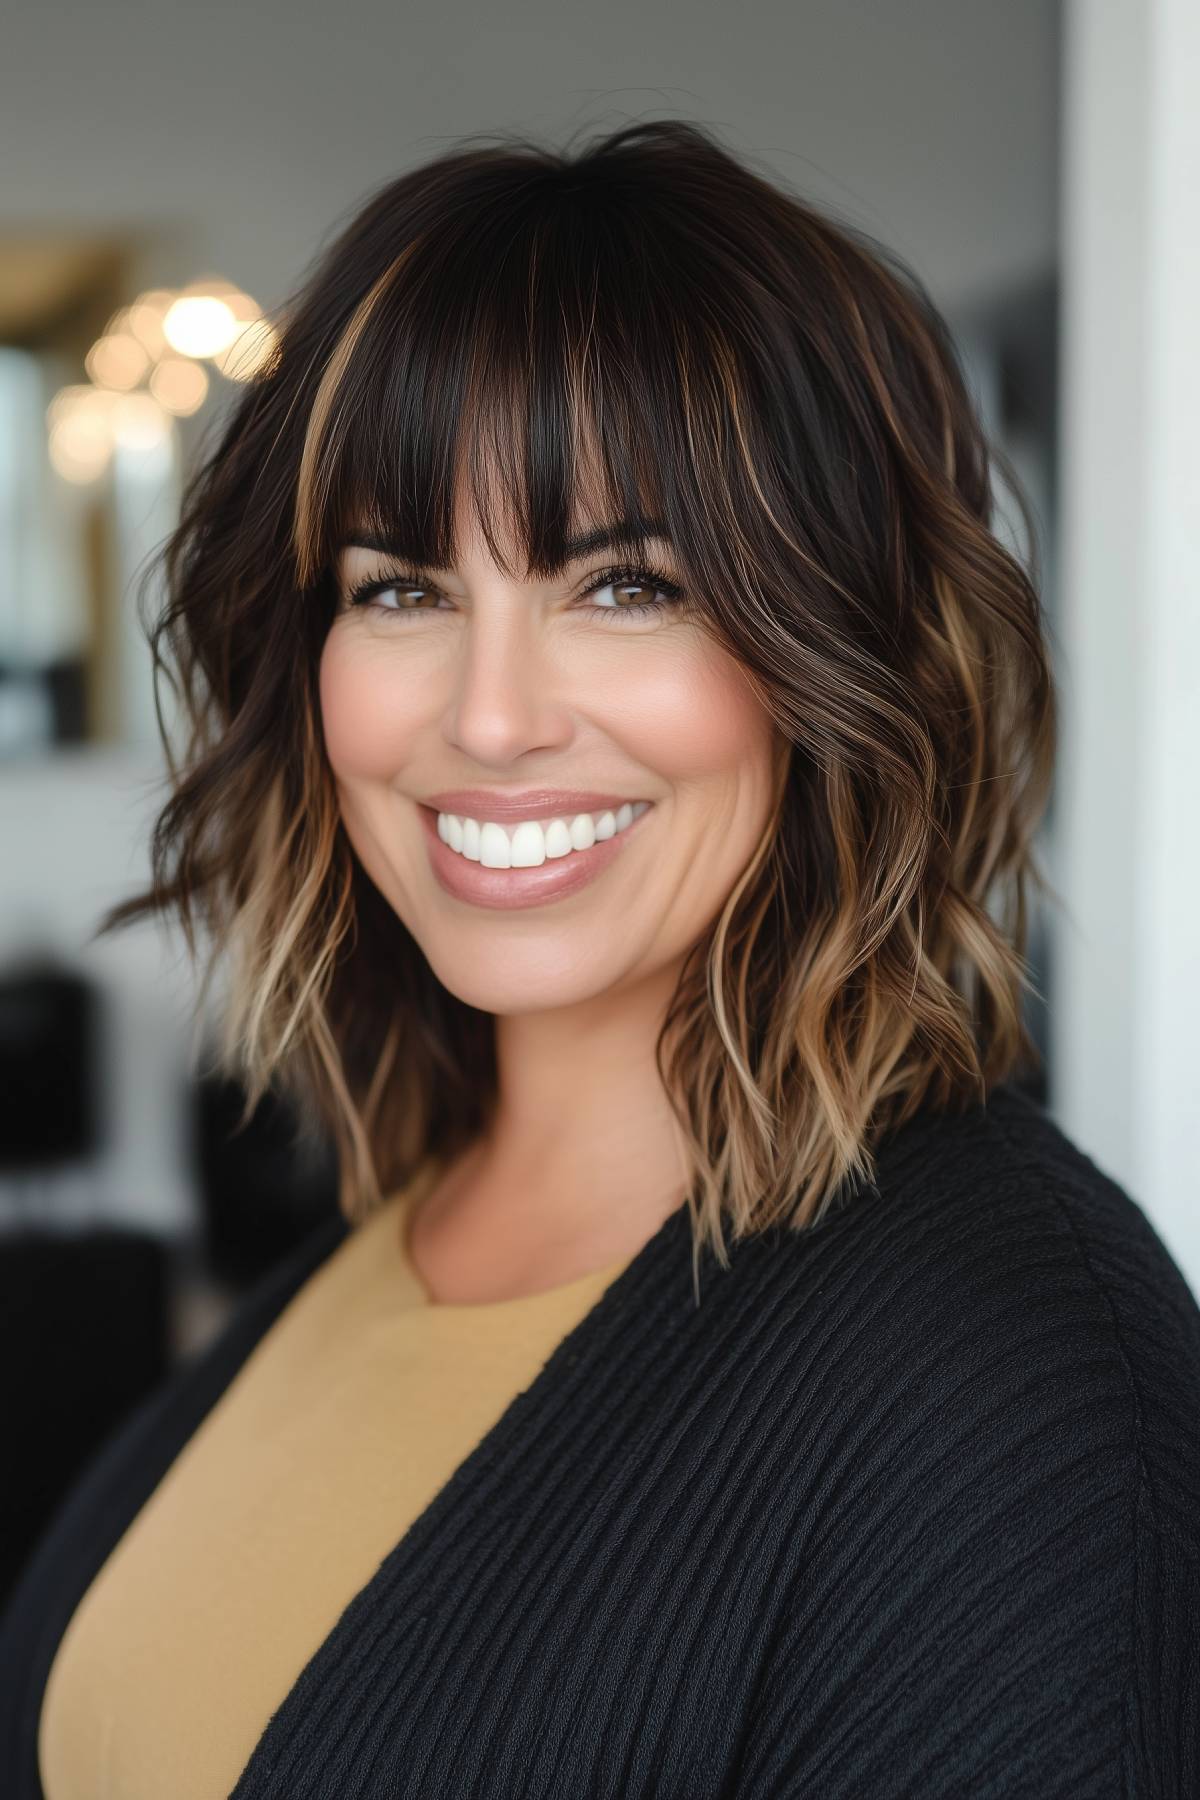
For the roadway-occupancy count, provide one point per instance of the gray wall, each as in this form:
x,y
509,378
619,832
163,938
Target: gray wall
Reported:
x,y
245,131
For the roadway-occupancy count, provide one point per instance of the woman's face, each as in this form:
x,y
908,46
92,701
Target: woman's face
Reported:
x,y
557,706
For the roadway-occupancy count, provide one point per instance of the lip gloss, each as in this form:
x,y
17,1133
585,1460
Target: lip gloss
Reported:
x,y
503,888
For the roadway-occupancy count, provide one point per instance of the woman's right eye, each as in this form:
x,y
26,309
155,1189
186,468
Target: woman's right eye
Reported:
x,y
369,594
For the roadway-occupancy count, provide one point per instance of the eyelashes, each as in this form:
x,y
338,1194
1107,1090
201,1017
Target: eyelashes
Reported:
x,y
365,594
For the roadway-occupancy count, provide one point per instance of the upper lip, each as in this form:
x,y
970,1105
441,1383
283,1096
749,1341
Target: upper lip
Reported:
x,y
508,808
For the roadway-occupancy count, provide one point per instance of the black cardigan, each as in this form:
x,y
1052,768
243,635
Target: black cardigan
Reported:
x,y
908,1506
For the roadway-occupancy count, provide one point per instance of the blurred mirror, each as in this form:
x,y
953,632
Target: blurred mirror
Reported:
x,y
105,388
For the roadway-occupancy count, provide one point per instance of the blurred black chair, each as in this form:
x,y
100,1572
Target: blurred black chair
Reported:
x,y
84,1325
49,1017
263,1187
83,1338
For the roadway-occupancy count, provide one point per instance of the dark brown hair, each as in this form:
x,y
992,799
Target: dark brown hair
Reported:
x,y
780,392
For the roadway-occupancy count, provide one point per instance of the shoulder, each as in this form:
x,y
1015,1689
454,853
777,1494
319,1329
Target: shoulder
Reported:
x,y
994,1271
1002,1366
1013,1251
996,1285
1009,1333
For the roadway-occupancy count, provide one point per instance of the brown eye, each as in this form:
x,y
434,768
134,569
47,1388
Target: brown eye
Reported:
x,y
640,592
368,595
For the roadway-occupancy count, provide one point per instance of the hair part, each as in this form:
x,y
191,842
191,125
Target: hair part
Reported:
x,y
647,328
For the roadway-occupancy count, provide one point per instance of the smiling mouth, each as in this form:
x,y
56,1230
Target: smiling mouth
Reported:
x,y
532,842
550,871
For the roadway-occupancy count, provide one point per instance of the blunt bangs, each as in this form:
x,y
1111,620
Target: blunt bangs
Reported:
x,y
512,359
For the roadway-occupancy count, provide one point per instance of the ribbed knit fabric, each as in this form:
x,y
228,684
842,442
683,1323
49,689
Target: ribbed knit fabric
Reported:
x,y
908,1506
351,1413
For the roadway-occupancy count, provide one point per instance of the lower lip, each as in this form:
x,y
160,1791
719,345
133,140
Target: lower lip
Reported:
x,y
551,880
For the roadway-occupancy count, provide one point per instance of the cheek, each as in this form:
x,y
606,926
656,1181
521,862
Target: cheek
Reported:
x,y
688,713
695,715
367,724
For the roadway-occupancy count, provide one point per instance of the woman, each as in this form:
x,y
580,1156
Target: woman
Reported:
x,y
616,744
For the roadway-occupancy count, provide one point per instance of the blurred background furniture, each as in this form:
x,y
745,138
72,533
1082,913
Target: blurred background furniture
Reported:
x,y
94,1314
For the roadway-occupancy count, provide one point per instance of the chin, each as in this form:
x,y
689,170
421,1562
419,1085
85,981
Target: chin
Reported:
x,y
544,972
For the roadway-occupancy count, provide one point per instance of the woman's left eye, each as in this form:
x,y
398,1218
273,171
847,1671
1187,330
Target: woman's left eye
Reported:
x,y
665,592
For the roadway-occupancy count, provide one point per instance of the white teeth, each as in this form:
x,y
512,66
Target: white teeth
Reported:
x,y
533,841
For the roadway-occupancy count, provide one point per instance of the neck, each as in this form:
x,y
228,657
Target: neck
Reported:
x,y
583,1160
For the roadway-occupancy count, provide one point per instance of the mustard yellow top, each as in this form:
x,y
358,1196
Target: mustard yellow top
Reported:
x,y
345,1420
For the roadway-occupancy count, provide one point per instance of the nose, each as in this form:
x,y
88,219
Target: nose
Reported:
x,y
507,695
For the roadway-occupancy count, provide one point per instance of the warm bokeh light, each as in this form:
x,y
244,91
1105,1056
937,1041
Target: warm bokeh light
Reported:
x,y
208,283
82,396
179,384
243,307
81,443
116,360
139,422
250,352
118,323
157,339
199,325
145,318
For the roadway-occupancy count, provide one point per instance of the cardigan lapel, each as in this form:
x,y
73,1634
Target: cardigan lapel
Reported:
x,y
453,1524
110,1492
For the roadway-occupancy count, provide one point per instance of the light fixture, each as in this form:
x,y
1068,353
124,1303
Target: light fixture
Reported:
x,y
145,370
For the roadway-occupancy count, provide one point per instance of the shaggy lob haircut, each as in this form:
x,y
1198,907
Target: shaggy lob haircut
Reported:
x,y
712,353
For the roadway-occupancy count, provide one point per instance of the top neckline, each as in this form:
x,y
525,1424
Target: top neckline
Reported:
x,y
398,1210
615,1307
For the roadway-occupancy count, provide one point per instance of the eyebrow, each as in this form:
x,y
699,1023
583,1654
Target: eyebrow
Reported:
x,y
622,534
